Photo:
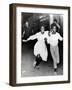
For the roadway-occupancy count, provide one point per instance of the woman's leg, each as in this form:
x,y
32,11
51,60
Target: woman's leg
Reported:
x,y
34,63
38,59
52,49
57,55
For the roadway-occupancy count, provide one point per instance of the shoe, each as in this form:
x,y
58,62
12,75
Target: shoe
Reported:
x,y
37,67
55,70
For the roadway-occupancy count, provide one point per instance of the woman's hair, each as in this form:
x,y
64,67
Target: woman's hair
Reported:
x,y
53,25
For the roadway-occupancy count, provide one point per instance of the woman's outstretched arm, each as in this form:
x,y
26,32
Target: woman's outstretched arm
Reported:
x,y
31,38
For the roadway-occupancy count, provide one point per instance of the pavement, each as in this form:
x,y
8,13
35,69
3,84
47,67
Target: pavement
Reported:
x,y
46,68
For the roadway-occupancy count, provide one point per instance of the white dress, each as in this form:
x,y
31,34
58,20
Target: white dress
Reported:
x,y
40,46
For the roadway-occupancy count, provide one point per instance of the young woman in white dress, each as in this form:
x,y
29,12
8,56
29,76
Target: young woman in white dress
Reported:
x,y
40,49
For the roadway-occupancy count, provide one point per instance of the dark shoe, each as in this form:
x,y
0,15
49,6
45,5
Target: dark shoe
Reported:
x,y
55,70
37,67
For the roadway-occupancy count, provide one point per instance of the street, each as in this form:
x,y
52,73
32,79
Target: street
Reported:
x,y
46,68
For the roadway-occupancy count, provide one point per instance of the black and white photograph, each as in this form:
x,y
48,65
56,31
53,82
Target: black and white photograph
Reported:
x,y
41,36
42,44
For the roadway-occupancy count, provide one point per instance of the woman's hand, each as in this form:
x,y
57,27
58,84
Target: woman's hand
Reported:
x,y
24,40
45,39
